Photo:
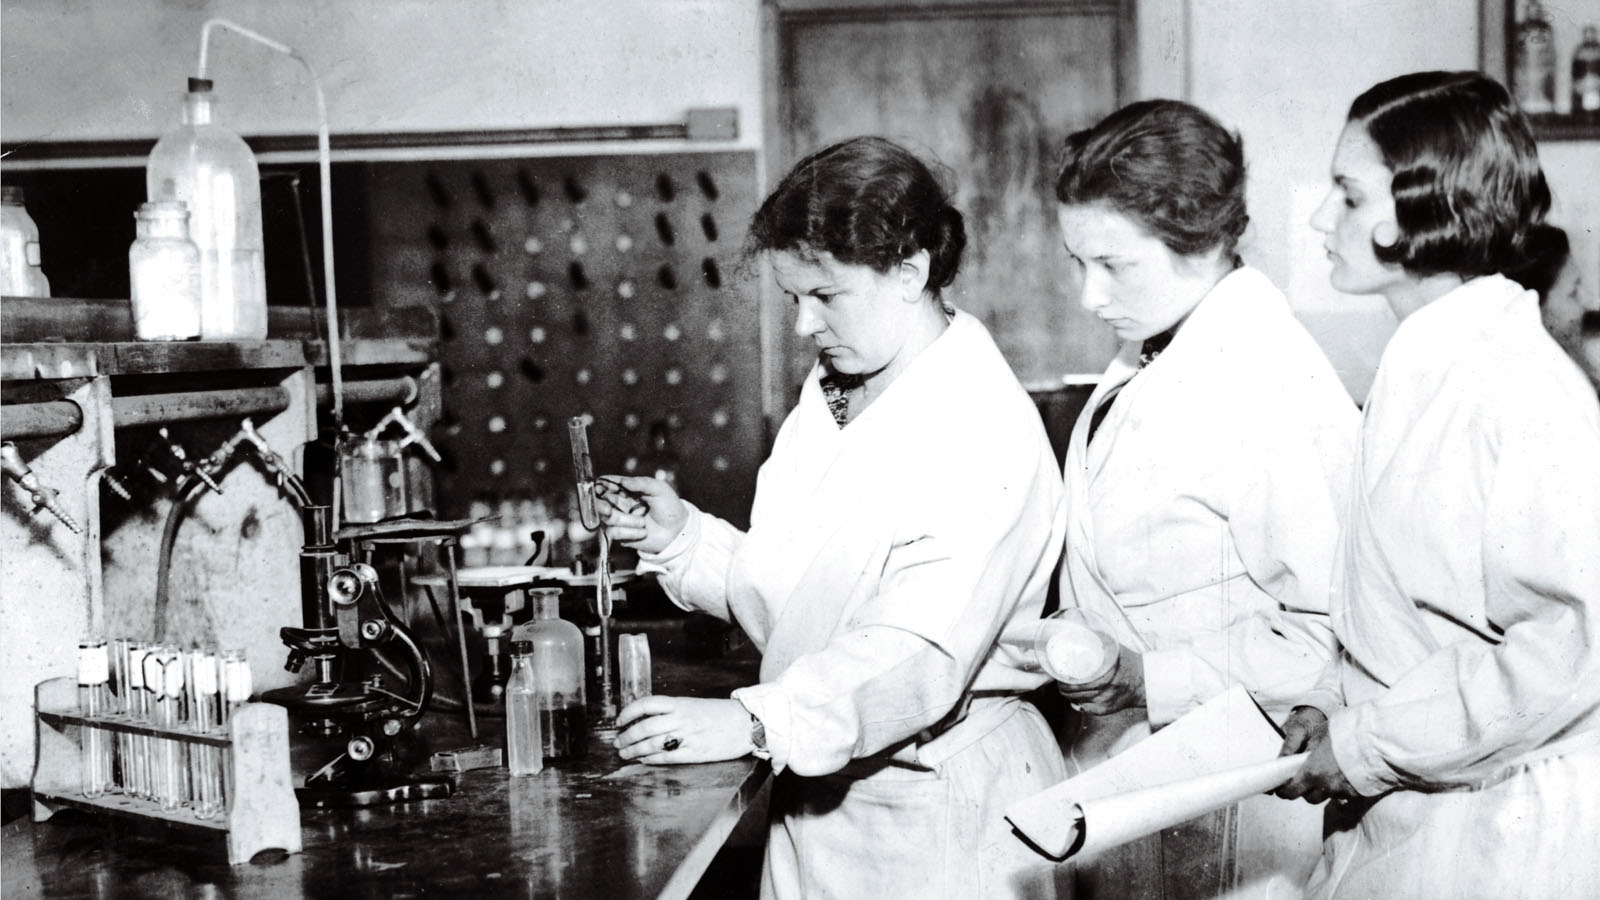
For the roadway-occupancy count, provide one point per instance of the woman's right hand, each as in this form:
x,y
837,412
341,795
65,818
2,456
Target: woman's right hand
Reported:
x,y
643,513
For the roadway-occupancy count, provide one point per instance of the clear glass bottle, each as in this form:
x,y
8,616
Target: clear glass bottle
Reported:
x,y
164,274
558,672
524,742
20,275
1586,76
1533,73
212,170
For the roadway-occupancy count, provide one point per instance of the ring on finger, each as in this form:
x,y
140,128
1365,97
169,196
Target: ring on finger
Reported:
x,y
670,744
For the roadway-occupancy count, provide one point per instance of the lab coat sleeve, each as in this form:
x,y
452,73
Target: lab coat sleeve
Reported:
x,y
1474,708
1287,484
982,550
693,569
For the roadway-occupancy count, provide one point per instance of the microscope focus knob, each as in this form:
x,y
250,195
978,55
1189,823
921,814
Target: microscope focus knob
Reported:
x,y
346,584
360,748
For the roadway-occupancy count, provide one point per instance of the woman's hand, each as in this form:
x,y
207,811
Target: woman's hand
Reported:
x,y
643,513
1120,688
671,730
1320,778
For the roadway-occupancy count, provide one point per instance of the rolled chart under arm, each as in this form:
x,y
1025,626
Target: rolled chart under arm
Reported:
x,y
1218,754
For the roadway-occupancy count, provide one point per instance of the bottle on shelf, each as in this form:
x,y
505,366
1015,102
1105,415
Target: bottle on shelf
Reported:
x,y
524,742
558,673
164,274
1533,72
211,169
1586,76
20,275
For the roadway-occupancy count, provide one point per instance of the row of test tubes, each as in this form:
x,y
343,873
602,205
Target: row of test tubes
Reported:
x,y
168,689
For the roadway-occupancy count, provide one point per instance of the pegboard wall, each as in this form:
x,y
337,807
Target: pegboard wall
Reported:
x,y
601,285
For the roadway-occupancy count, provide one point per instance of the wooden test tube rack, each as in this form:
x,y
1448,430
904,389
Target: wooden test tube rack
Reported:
x,y
260,813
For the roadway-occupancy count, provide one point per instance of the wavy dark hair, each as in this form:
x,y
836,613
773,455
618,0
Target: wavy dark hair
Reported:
x,y
1469,194
866,201
1168,165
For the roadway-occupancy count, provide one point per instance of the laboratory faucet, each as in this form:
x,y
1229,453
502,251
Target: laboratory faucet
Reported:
x,y
43,497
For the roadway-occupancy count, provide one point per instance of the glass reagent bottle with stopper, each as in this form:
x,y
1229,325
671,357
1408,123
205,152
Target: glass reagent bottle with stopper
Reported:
x,y
1586,76
524,743
20,275
164,274
1534,61
559,674
212,170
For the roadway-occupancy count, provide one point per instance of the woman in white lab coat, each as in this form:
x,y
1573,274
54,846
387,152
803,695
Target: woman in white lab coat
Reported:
x,y
1460,732
1204,483
907,517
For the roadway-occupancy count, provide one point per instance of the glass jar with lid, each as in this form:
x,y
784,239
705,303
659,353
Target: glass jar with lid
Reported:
x,y
164,274
20,275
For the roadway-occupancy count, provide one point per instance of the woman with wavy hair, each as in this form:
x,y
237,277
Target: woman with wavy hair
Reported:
x,y
1458,731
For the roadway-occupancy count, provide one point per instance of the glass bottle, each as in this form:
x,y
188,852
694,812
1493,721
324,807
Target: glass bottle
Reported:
x,y
164,274
1534,62
524,741
1586,76
558,674
20,275
212,170
633,668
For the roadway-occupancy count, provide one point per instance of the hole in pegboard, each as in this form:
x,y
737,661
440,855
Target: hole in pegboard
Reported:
x,y
480,187
438,238
493,336
484,236
580,323
719,418
672,332
497,424
494,379
540,422
673,376
630,377
708,225
485,281
577,277
719,373
583,376
447,328
438,191
664,229
665,189
626,331
536,290
624,243
578,244
715,330
531,370
630,421
497,467
536,334
708,185
666,277
574,189
625,289
439,274
532,246
528,187
623,199
713,276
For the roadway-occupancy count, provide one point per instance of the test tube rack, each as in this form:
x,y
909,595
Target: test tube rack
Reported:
x,y
261,812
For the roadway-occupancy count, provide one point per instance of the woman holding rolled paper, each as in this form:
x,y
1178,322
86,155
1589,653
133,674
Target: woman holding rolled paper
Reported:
x,y
1205,480
907,518
1459,732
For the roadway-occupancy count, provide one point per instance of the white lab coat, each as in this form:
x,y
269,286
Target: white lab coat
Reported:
x,y
883,562
1468,607
1202,524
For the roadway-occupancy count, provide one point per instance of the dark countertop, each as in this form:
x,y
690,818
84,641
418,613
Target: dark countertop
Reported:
x,y
588,828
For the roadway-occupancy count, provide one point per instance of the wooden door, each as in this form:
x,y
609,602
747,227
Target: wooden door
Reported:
x,y
989,91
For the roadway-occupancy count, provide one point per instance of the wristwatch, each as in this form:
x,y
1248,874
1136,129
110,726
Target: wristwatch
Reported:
x,y
758,738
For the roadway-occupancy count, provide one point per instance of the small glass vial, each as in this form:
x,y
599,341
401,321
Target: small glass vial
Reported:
x,y
633,668
94,670
1533,74
164,274
1586,76
20,275
524,743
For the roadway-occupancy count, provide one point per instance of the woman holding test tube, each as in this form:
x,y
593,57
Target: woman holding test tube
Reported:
x,y
906,519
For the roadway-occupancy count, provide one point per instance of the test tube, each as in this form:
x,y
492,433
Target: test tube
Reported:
x,y
94,671
169,765
137,767
633,667
120,705
205,760
233,690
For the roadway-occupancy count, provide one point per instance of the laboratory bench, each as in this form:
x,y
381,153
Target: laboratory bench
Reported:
x,y
597,827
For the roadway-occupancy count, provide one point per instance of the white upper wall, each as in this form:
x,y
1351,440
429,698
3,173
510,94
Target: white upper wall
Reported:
x,y
90,69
